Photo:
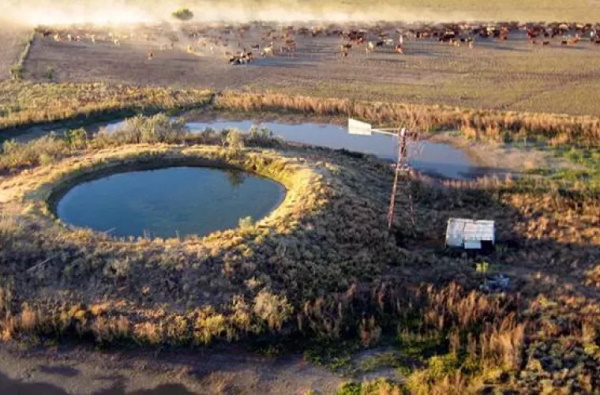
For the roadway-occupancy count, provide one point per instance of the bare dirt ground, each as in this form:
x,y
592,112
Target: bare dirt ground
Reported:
x,y
12,43
508,75
85,371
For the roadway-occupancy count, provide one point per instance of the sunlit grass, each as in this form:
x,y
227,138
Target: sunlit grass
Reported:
x,y
319,270
26,103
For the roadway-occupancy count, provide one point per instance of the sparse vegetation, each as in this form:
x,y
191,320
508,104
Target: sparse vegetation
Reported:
x,y
50,74
498,126
356,284
28,103
322,275
156,129
39,152
495,126
17,70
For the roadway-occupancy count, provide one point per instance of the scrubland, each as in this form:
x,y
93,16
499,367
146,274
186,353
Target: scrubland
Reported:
x,y
321,274
498,126
25,103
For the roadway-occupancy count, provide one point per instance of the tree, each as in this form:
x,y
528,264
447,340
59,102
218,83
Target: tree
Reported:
x,y
183,14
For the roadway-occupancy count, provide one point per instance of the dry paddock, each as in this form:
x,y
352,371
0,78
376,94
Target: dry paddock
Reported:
x,y
510,75
12,42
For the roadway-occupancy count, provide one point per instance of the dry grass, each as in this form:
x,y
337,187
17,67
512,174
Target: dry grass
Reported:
x,y
323,267
245,298
485,125
27,103
17,70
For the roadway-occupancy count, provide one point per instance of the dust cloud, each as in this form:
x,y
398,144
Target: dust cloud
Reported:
x,y
124,12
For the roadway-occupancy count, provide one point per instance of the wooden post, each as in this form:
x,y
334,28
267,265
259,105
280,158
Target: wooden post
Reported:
x,y
399,164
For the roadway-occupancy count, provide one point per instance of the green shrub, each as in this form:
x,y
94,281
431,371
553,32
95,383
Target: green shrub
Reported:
x,y
50,74
380,386
183,14
76,138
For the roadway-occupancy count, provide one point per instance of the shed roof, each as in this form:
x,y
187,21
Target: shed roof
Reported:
x,y
468,229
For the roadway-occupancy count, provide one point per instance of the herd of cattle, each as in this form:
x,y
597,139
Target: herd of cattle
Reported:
x,y
244,43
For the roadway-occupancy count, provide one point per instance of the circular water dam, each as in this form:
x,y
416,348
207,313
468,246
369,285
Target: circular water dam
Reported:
x,y
169,202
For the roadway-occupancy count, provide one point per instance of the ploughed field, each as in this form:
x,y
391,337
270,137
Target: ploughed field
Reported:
x,y
511,74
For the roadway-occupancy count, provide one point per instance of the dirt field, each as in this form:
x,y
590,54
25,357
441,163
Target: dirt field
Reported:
x,y
12,43
508,75
62,11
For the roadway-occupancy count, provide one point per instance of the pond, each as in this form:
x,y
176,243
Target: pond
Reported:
x,y
169,202
437,159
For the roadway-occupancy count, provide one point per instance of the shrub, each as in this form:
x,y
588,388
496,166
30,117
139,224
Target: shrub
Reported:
x,y
41,151
30,102
156,129
183,14
374,387
246,223
117,268
273,309
16,72
76,138
234,141
262,137
50,73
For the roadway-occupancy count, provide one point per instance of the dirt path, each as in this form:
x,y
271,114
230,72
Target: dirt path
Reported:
x,y
83,371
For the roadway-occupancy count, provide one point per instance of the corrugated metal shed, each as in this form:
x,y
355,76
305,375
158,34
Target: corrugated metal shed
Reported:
x,y
469,234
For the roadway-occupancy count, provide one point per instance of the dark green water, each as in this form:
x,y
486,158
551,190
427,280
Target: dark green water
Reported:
x,y
171,202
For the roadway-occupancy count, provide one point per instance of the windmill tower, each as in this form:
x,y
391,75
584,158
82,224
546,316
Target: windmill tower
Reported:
x,y
366,129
